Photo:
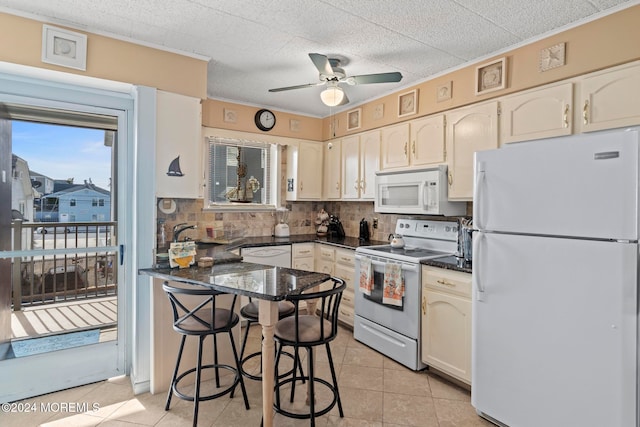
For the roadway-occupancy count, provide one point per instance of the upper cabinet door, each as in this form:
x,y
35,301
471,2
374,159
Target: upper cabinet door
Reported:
x,y
351,167
610,99
304,171
395,146
469,129
427,141
179,146
332,169
369,163
536,114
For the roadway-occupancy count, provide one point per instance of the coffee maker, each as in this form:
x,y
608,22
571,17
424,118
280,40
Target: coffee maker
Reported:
x,y
364,230
335,228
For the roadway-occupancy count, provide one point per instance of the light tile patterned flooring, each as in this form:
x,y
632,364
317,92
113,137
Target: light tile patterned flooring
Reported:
x,y
375,391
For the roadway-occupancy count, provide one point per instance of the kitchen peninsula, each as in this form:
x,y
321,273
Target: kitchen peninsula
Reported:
x,y
268,284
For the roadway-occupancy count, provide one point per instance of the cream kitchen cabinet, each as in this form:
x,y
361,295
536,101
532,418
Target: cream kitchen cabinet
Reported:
x,y
345,270
302,256
360,161
468,130
332,184
394,148
538,113
446,321
610,98
325,262
325,259
427,141
179,146
417,143
304,171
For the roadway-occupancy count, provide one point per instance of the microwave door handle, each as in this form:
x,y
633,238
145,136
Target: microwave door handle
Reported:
x,y
425,196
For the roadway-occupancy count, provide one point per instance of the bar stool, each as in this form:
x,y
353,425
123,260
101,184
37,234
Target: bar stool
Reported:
x,y
202,317
250,313
307,331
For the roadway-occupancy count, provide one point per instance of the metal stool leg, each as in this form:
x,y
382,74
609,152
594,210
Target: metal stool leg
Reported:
x,y
335,380
238,372
175,373
196,395
312,395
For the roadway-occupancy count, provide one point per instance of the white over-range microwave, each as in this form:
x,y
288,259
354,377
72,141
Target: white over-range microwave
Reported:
x,y
418,191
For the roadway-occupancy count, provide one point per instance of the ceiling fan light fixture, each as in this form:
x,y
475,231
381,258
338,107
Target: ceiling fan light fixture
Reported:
x,y
332,96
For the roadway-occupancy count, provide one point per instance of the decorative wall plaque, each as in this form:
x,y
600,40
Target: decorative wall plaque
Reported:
x,y
551,57
230,116
408,103
443,92
491,76
378,112
353,119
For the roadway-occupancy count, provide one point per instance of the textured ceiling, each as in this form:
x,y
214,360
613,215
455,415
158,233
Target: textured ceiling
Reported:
x,y
257,45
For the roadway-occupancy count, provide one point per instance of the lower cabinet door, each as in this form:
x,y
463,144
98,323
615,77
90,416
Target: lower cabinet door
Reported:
x,y
446,334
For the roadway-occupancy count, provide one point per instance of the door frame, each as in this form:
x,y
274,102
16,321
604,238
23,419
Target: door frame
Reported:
x,y
91,94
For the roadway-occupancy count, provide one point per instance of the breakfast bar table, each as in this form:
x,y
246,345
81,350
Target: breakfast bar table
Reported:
x,y
265,283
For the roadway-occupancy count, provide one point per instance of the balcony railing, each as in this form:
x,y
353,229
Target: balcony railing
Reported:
x,y
49,278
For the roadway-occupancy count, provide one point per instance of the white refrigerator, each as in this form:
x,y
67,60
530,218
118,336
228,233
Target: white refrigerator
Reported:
x,y
555,282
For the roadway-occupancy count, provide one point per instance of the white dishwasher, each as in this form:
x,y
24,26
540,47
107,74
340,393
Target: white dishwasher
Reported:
x,y
277,256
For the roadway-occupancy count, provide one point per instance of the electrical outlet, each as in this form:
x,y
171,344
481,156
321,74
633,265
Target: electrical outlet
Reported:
x,y
375,222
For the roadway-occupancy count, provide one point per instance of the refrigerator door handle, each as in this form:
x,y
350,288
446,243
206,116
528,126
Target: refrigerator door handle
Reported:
x,y
477,273
480,175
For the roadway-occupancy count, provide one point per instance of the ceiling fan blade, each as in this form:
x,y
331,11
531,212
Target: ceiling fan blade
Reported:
x,y
280,89
374,78
322,64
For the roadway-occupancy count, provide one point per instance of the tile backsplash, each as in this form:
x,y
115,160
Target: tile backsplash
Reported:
x,y
302,216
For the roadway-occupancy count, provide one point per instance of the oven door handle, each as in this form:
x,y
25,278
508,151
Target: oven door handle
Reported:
x,y
405,266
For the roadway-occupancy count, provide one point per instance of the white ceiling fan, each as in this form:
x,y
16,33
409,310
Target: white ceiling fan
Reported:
x,y
331,75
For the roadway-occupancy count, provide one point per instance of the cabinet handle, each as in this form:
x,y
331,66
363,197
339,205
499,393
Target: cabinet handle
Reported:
x,y
356,184
413,148
450,179
585,112
405,149
565,117
363,184
337,185
300,186
424,306
444,282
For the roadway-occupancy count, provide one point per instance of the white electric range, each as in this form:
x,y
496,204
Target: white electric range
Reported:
x,y
395,330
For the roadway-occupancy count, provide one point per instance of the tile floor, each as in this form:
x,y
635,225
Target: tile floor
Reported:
x,y
375,391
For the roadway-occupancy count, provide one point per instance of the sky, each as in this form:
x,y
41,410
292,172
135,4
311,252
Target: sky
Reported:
x,y
62,152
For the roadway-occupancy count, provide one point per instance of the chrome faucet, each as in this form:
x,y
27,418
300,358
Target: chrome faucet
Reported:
x,y
177,229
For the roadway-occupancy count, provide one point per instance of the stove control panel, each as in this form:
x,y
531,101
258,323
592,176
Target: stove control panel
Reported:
x,y
427,229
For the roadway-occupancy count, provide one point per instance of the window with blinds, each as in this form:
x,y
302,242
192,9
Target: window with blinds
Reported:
x,y
241,174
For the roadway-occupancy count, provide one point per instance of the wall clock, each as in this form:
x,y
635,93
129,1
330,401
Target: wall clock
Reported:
x,y
265,120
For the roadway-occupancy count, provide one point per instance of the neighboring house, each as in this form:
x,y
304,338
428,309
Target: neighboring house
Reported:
x,y
76,203
22,193
42,183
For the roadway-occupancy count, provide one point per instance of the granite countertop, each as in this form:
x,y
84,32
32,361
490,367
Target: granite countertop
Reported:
x,y
345,242
222,253
449,263
242,278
